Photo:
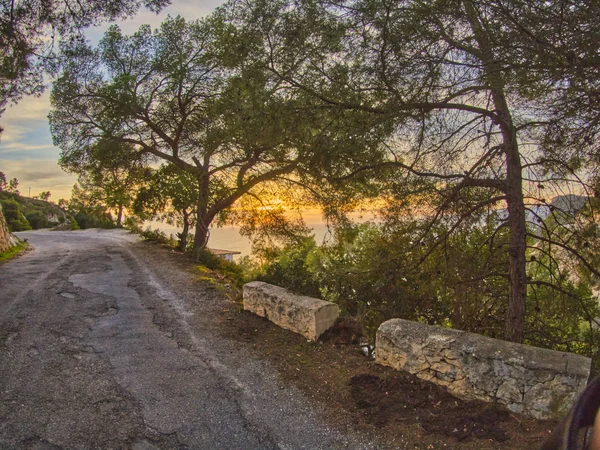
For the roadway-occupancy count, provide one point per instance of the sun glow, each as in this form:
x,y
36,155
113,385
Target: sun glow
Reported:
x,y
271,205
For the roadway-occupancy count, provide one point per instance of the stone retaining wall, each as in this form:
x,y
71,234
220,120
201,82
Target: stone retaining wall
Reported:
x,y
538,382
308,316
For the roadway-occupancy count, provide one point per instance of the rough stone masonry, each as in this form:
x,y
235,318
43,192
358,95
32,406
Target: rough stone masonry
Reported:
x,y
308,316
537,382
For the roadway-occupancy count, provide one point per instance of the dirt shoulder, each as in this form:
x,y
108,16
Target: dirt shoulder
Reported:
x,y
400,409
396,409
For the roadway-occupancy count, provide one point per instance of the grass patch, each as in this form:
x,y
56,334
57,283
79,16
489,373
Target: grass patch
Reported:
x,y
14,251
220,280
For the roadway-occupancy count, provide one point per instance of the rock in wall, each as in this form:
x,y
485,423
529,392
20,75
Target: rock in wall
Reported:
x,y
537,382
7,240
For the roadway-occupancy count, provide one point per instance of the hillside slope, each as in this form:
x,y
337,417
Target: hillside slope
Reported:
x,y
7,240
22,213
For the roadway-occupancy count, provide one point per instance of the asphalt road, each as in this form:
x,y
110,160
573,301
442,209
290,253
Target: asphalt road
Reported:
x,y
101,346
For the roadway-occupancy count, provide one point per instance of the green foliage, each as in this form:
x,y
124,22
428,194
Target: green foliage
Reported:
x,y
37,213
172,195
563,316
190,95
86,211
38,219
74,224
13,251
231,271
376,272
11,186
157,235
110,174
564,311
424,105
44,195
445,95
27,27
93,218
288,267
14,218
133,223
380,272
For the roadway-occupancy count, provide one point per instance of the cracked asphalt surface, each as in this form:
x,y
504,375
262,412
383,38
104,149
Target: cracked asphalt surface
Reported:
x,y
104,345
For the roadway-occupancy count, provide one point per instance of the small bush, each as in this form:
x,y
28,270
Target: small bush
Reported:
x,y
37,220
230,270
133,224
19,225
157,235
14,218
93,219
68,225
289,267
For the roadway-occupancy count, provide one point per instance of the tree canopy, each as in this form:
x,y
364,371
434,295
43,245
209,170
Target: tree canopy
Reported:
x,y
31,31
467,97
187,95
465,118
111,172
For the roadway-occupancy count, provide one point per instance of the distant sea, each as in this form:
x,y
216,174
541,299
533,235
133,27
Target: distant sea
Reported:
x,y
229,238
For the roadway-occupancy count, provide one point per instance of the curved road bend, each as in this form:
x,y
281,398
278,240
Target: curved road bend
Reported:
x,y
98,350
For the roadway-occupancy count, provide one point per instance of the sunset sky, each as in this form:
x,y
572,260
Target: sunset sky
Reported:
x,y
26,150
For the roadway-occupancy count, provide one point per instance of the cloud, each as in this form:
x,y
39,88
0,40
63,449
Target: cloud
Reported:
x,y
39,175
26,134
189,9
24,148
28,109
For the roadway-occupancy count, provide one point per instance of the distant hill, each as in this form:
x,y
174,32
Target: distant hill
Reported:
x,y
570,203
23,213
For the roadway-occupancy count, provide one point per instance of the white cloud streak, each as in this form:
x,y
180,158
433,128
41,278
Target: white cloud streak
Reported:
x,y
39,175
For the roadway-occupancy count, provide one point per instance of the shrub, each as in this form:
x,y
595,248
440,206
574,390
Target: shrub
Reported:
x,y
93,219
155,235
228,269
289,267
37,220
14,218
133,224
377,272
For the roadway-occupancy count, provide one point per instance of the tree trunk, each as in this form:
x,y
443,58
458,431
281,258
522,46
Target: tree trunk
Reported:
x,y
514,325
202,220
202,234
120,217
183,236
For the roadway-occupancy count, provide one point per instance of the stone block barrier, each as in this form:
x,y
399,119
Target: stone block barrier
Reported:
x,y
307,316
537,382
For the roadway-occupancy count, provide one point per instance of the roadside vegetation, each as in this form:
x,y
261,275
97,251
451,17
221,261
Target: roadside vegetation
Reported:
x,y
375,273
469,129
22,213
82,211
13,251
